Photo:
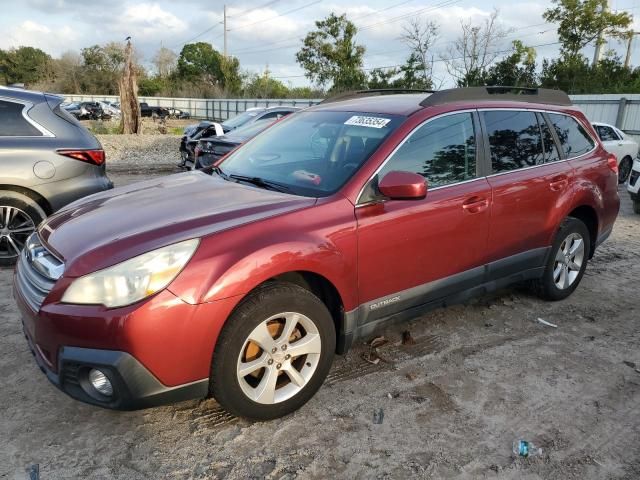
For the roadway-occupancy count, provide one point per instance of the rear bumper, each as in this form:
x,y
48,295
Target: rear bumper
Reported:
x,y
133,385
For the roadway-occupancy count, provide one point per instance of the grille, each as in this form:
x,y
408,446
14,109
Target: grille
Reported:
x,y
634,178
71,374
37,272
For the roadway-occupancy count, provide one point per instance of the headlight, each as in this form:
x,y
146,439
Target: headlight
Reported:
x,y
132,280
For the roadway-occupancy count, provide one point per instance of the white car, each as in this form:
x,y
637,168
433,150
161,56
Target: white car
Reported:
x,y
634,185
621,145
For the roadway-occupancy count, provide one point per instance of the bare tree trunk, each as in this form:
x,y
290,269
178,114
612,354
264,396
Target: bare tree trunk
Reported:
x,y
131,121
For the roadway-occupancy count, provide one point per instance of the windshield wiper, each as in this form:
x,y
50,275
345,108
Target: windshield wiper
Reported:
x,y
261,182
219,171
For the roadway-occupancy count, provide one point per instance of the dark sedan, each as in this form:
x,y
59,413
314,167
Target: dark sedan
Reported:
x,y
210,149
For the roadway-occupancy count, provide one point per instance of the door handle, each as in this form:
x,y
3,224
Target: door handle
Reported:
x,y
475,204
558,183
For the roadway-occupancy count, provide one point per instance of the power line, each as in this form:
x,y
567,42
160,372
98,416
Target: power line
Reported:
x,y
271,2
276,16
297,37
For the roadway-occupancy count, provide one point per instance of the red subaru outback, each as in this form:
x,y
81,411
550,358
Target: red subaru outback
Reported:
x,y
351,214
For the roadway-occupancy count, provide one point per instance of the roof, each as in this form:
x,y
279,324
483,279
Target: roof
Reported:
x,y
397,104
21,94
391,103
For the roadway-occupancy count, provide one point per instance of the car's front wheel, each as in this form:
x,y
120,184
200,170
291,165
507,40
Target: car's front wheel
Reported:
x,y
273,353
19,217
567,261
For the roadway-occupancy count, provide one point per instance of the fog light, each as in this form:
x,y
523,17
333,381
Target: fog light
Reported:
x,y
100,382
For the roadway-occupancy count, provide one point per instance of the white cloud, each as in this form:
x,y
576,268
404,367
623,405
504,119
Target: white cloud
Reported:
x,y
148,19
51,39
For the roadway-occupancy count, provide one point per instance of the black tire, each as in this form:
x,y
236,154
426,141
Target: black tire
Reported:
x,y
268,300
624,169
25,205
636,206
546,286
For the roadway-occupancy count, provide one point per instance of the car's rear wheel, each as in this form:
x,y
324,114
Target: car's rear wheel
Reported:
x,y
273,353
624,169
19,217
567,261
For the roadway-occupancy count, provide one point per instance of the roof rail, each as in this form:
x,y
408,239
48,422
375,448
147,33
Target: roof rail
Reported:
x,y
512,94
372,92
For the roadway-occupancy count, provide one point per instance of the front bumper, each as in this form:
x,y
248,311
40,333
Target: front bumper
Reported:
x,y
133,385
155,352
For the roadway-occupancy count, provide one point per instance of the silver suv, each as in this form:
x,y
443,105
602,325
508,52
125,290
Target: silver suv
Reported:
x,y
47,160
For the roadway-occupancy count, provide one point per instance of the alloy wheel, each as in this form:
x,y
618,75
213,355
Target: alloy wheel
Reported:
x,y
279,358
15,227
568,261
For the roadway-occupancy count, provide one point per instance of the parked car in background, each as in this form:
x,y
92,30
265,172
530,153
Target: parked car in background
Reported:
x,y
110,109
620,144
633,186
177,113
48,160
257,113
195,132
210,149
76,110
147,110
332,223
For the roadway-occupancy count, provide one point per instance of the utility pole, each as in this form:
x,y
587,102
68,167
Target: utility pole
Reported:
x,y
600,41
627,58
224,26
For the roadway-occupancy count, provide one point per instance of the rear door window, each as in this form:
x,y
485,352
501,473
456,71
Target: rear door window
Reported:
x,y
574,139
13,124
515,139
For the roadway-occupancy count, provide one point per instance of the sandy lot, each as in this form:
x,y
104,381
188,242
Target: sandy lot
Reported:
x,y
479,376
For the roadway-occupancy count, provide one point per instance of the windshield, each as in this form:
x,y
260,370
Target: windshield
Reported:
x,y
241,119
312,153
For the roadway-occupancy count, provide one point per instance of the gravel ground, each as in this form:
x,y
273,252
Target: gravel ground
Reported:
x,y
478,376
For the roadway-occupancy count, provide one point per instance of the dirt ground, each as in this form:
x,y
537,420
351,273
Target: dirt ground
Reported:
x,y
478,376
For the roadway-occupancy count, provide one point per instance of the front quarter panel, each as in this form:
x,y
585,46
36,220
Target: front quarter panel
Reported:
x,y
320,239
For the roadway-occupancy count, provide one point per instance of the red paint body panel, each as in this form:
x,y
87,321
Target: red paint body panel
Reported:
x,y
249,235
403,244
163,332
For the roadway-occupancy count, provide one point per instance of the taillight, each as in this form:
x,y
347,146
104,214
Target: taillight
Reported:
x,y
197,151
95,157
612,162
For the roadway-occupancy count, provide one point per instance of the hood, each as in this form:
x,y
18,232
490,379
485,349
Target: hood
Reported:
x,y
113,226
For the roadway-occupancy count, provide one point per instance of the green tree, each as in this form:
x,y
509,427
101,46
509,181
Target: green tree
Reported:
x,y
26,65
580,23
200,61
329,54
517,69
265,86
382,78
102,67
413,73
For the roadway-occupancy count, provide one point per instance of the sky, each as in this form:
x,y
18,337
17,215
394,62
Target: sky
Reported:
x,y
267,33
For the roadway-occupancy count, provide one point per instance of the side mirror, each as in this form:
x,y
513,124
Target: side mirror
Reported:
x,y
403,186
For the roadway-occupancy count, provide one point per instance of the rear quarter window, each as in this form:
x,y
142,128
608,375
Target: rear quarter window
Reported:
x,y
574,139
13,124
